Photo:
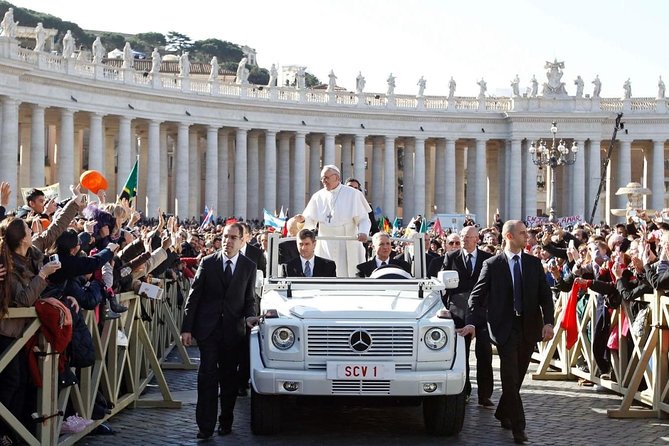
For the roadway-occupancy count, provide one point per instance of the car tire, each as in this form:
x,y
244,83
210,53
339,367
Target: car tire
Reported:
x,y
265,413
444,415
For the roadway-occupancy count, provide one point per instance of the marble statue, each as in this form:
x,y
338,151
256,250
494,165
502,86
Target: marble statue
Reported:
x,y
598,87
242,72
391,85
627,87
40,37
421,86
68,44
359,83
332,81
213,70
579,86
451,88
273,75
128,56
300,77
554,86
8,24
660,88
184,64
98,51
156,60
535,87
483,87
515,85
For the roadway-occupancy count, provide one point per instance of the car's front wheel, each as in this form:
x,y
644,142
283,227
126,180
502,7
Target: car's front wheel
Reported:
x,y
444,415
265,413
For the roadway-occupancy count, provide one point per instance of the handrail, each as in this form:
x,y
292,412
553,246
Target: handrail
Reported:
x,y
121,374
640,372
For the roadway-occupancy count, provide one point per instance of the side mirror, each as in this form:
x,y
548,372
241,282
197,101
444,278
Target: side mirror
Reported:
x,y
450,279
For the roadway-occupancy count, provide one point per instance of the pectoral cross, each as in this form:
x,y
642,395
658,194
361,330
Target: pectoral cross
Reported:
x,y
329,217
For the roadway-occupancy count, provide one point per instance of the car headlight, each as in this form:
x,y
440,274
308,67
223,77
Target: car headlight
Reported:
x,y
435,338
283,338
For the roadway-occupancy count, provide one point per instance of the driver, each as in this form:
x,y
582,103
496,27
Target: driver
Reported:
x,y
308,264
383,249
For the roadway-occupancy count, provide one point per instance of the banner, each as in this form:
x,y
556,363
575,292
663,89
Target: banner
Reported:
x,y
272,221
51,191
534,221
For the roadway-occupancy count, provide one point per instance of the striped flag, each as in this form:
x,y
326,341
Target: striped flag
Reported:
x,y
272,221
209,217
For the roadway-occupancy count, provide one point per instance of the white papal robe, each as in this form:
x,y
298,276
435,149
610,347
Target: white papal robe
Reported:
x,y
342,211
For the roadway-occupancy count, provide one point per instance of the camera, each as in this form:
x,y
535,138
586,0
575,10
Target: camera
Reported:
x,y
54,258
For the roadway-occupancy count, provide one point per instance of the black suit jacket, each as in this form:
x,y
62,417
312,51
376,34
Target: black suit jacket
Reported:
x,y
322,268
455,261
288,251
492,299
210,299
254,253
367,268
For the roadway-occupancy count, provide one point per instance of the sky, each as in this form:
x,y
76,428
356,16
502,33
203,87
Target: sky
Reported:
x,y
438,39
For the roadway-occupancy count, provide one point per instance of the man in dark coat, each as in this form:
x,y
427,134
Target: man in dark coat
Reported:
x,y
307,264
383,249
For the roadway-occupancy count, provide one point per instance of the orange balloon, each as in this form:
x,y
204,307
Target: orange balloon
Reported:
x,y
93,180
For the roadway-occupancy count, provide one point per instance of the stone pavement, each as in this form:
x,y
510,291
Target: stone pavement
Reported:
x,y
558,413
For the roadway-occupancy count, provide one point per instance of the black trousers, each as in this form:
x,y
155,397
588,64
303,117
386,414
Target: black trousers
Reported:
x,y
514,358
13,384
216,380
484,374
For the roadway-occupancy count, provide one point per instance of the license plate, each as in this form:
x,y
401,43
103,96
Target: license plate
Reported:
x,y
361,370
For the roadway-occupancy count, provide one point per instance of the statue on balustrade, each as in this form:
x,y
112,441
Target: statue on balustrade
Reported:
x,y
554,86
8,24
273,75
535,87
184,64
128,56
301,78
242,72
332,81
68,45
598,87
359,83
515,85
40,37
579,86
98,51
660,88
391,85
421,86
627,88
213,70
483,87
156,60
451,88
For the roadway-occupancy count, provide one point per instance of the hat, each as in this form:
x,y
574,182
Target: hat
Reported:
x,y
67,240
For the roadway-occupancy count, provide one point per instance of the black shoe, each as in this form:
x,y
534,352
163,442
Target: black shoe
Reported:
x,y
486,403
204,435
115,306
224,431
505,423
242,392
519,437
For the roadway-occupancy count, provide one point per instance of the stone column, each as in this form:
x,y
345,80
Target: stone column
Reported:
x,y
376,174
346,158
124,152
223,205
284,171
110,160
299,174
65,151
315,163
440,176
657,182
514,201
10,146
241,168
624,171
24,158
449,174
460,180
78,152
481,177
194,209
329,150
530,187
389,179
577,184
95,142
37,146
164,189
270,170
419,177
181,167
409,203
154,176
594,177
253,180
359,159
211,169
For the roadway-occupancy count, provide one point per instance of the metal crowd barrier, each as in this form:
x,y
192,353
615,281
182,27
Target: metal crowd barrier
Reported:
x,y
120,373
640,368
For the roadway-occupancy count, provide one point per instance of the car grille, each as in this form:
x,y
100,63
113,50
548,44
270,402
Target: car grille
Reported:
x,y
346,387
389,341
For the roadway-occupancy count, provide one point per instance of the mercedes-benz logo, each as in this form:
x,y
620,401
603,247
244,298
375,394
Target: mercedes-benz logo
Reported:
x,y
360,341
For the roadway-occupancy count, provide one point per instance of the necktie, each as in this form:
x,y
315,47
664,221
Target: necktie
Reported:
x,y
228,271
383,263
307,269
470,270
517,286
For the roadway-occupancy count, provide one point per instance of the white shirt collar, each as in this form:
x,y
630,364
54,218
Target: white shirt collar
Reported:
x,y
233,260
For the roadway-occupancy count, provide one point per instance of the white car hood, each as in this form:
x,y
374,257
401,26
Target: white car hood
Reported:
x,y
333,305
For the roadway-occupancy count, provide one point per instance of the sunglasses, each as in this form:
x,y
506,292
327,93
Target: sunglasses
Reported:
x,y
453,243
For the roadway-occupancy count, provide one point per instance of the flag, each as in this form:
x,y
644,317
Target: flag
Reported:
x,y
282,214
209,217
387,228
437,228
396,226
205,214
423,226
272,221
130,189
378,213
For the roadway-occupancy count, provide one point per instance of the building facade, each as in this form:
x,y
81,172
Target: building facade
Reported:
x,y
242,148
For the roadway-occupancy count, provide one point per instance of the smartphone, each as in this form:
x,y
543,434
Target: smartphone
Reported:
x,y
54,258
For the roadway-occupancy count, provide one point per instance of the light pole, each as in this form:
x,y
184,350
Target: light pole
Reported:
x,y
556,155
